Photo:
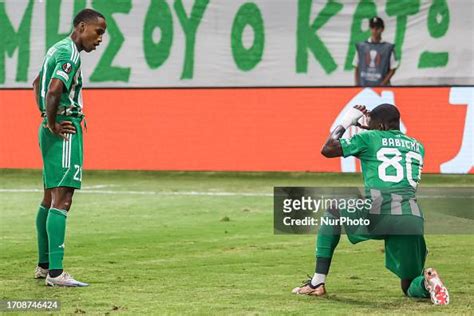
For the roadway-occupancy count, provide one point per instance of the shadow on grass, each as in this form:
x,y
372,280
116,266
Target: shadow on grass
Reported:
x,y
372,302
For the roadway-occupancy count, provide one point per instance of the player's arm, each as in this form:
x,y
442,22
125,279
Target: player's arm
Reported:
x,y
394,63
36,88
332,148
356,76
387,78
52,103
355,64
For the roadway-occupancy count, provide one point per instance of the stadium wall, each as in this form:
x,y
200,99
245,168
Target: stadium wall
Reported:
x,y
239,129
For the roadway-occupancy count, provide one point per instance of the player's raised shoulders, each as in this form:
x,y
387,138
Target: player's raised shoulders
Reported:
x,y
380,133
368,134
361,137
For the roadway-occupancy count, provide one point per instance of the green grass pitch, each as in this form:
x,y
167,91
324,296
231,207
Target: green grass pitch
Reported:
x,y
203,243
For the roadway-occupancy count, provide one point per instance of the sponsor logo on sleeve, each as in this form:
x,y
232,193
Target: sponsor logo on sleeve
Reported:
x,y
62,74
67,67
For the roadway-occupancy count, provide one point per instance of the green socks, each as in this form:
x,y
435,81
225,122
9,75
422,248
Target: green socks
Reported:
x,y
42,234
417,288
328,238
56,227
51,230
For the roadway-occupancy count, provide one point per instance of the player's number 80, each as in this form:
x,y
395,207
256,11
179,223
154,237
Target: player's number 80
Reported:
x,y
394,161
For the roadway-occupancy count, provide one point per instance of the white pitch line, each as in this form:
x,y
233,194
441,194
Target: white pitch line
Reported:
x,y
184,193
98,186
201,193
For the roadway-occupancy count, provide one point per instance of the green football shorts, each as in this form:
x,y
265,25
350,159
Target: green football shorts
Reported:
x,y
62,160
405,247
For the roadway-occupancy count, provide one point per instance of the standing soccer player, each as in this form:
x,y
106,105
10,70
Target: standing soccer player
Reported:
x,y
58,95
391,167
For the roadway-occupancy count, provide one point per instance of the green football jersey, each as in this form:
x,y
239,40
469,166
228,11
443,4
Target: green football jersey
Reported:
x,y
391,166
63,62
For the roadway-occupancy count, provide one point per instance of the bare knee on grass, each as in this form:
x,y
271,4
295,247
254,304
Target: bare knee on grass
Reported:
x,y
62,198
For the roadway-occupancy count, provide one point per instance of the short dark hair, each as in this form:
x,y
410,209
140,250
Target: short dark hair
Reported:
x,y
387,114
376,22
87,15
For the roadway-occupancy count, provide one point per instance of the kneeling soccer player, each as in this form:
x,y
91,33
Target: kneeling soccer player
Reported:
x,y
391,166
